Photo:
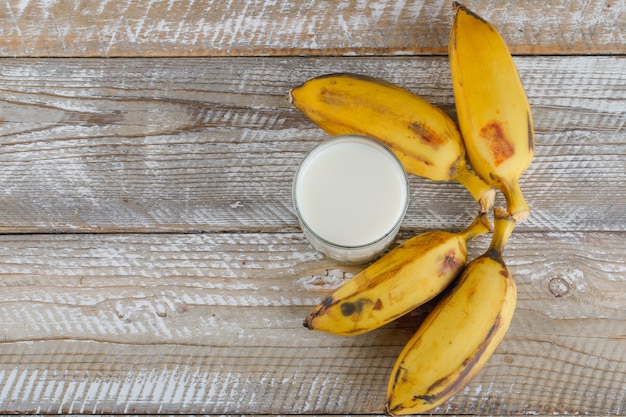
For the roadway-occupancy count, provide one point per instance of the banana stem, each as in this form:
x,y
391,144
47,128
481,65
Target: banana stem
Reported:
x,y
480,190
479,226
504,223
515,202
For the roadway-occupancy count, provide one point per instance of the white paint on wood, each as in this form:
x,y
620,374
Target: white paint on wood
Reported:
x,y
206,318
209,27
203,155
217,322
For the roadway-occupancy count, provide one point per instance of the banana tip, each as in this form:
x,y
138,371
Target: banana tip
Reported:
x,y
521,215
307,323
484,219
487,200
391,412
290,96
501,213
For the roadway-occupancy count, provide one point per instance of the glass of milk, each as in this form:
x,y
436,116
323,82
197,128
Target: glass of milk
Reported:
x,y
350,194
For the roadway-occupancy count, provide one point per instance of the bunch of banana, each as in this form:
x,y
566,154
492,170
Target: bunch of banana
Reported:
x,y
461,332
492,107
464,328
403,279
424,137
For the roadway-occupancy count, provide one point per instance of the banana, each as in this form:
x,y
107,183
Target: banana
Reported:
x,y
460,334
401,280
493,112
424,138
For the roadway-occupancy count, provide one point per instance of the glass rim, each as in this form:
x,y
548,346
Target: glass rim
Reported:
x,y
375,143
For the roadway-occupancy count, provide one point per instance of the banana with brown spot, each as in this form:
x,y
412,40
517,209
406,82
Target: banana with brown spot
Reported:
x,y
424,137
460,334
493,110
401,280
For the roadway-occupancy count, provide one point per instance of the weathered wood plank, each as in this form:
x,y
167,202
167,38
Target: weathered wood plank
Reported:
x,y
193,144
105,322
211,323
219,28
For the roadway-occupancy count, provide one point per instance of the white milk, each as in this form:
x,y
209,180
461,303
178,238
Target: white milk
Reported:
x,y
351,194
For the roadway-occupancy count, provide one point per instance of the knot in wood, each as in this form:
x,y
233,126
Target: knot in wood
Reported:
x,y
558,286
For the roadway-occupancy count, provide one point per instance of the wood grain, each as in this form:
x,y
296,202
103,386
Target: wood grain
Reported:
x,y
211,323
97,145
150,260
114,28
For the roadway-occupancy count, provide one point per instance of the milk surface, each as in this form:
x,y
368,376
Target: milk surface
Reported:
x,y
351,192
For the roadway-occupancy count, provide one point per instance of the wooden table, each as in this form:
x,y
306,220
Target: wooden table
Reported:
x,y
150,258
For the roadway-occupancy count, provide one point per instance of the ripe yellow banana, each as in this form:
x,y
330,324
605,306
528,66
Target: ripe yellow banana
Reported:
x,y
423,136
401,280
492,107
461,332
